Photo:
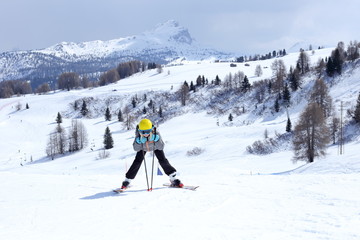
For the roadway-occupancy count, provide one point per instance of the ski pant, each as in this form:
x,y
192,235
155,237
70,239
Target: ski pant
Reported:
x,y
135,166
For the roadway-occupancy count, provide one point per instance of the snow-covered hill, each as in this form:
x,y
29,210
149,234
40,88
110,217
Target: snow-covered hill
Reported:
x,y
241,196
167,42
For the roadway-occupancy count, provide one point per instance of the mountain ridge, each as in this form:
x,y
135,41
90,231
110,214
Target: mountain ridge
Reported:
x,y
167,42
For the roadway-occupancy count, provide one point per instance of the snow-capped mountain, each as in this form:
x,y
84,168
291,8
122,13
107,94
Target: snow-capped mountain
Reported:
x,y
169,35
167,42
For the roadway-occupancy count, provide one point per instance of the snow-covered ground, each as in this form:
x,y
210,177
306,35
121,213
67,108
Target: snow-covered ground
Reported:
x,y
241,196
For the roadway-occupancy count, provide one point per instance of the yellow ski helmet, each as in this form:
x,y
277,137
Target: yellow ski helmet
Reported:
x,y
145,124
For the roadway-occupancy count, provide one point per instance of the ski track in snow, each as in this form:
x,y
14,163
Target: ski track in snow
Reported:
x,y
255,207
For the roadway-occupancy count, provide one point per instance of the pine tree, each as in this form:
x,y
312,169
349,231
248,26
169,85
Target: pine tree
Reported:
x,y
160,112
59,118
245,84
108,140
330,68
120,116
27,106
266,134
277,105
192,87
286,95
144,111
338,61
107,114
84,111
217,80
198,81
288,125
270,87
133,102
294,79
357,110
151,103
230,117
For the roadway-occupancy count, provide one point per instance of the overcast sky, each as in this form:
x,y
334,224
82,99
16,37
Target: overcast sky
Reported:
x,y
248,27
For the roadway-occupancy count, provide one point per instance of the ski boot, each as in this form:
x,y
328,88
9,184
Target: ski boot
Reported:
x,y
125,185
176,183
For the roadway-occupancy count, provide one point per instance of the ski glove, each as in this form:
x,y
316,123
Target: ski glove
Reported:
x,y
140,140
154,137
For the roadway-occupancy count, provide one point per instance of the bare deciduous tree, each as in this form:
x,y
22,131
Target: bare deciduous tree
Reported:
x,y
51,146
184,93
77,136
353,51
320,95
334,128
57,142
258,71
68,80
129,119
279,75
311,134
108,77
303,62
357,110
43,88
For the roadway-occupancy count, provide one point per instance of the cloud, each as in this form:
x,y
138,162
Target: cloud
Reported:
x,y
244,26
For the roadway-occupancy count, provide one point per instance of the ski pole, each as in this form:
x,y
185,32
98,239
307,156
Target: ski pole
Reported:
x,y
152,169
146,174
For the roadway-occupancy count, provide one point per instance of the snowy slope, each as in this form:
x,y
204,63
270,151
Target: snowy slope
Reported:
x,y
241,196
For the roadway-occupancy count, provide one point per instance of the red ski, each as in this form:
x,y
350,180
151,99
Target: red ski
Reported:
x,y
193,188
119,190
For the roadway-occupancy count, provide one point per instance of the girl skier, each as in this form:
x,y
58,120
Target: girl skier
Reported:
x,y
147,138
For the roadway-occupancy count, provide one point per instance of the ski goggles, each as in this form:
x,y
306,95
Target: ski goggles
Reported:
x,y
145,131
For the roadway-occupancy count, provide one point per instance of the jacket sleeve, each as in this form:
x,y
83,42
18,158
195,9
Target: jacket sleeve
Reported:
x,y
137,147
159,145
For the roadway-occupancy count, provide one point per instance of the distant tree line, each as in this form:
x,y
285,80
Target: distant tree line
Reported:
x,y
257,57
124,70
14,87
72,80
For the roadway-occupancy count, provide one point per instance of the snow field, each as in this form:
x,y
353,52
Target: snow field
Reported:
x,y
256,207
241,196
